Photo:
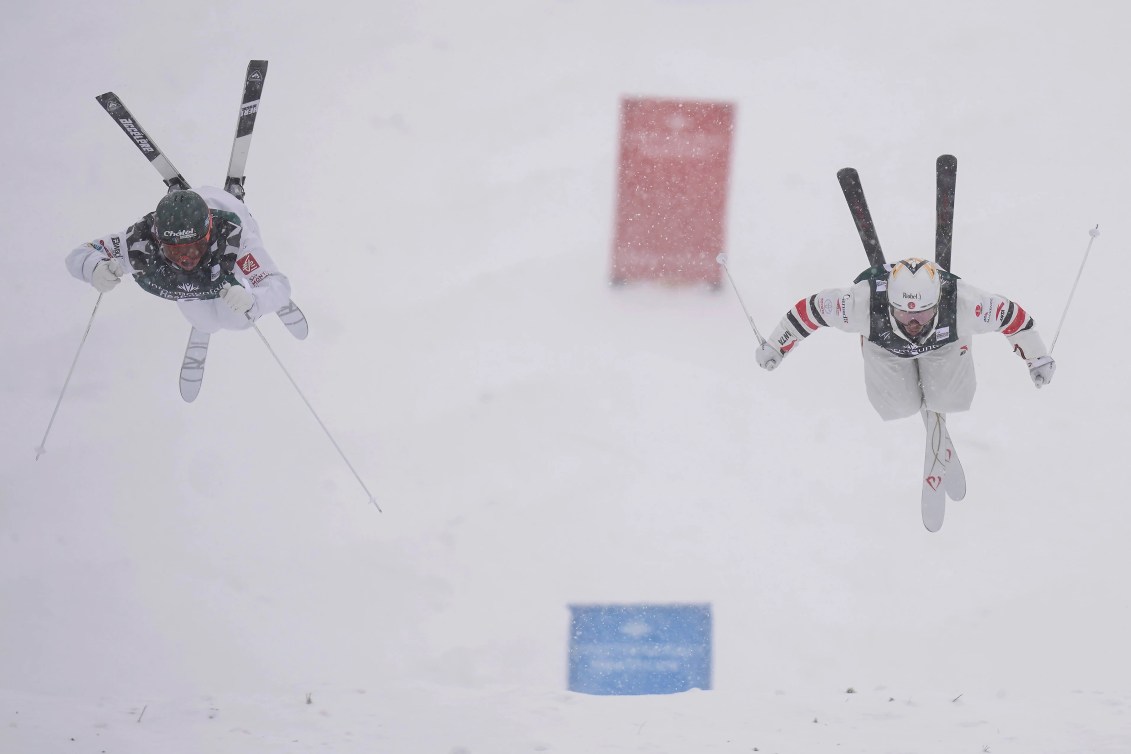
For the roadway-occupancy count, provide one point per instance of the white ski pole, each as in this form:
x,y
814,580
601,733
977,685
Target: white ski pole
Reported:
x,y
1093,233
42,448
722,260
316,417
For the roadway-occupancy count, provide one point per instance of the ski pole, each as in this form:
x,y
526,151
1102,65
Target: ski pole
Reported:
x,y
1093,233
316,417
722,260
42,448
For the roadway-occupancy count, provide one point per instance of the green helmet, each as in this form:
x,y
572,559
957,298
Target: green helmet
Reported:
x,y
182,217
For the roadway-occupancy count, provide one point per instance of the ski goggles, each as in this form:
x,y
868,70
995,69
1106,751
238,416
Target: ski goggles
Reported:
x,y
188,255
918,317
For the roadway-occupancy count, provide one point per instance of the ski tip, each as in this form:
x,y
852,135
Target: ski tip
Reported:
x,y
847,173
947,161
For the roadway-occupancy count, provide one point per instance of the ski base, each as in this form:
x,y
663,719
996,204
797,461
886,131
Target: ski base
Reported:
x,y
294,320
854,194
192,367
241,143
121,114
955,480
943,475
946,168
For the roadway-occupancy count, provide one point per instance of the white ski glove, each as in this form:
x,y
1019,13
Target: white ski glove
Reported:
x,y
1041,370
768,357
107,274
238,298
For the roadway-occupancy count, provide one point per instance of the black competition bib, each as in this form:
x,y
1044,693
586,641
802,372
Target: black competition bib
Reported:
x,y
883,334
157,276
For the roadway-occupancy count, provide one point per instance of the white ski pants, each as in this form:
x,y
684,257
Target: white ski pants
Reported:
x,y
212,315
941,380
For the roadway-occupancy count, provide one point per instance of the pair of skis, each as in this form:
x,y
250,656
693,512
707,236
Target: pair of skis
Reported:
x,y
943,475
946,171
196,351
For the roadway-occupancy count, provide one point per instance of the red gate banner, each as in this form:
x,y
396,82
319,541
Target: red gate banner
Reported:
x,y
672,182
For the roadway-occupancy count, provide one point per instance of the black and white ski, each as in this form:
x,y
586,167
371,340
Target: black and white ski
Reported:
x,y
858,206
256,76
943,475
946,172
121,114
245,124
192,367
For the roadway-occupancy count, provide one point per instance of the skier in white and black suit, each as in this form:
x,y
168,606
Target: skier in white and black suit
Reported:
x,y
200,248
916,321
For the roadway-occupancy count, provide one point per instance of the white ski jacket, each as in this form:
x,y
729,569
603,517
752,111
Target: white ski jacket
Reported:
x,y
964,310
237,256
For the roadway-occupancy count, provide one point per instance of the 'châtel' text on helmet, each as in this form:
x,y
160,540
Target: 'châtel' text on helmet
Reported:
x,y
182,217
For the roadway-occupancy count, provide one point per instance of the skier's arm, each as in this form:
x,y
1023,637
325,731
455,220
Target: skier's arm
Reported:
x,y
842,308
988,312
254,267
260,275
99,262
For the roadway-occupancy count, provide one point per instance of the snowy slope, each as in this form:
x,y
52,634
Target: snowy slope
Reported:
x,y
437,180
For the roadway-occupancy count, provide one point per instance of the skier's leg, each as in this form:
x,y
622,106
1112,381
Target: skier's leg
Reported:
x,y
892,383
212,315
948,378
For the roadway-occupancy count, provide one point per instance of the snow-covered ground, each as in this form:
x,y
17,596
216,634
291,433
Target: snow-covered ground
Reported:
x,y
437,178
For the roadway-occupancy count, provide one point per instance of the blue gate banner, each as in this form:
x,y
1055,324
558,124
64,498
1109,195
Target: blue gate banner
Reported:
x,y
639,649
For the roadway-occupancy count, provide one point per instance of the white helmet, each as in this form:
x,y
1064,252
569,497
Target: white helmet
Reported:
x,y
914,284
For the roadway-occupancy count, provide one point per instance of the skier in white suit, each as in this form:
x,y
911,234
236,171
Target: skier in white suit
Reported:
x,y
916,321
200,248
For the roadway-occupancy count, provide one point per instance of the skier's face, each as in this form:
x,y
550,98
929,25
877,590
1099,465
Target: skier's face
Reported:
x,y
185,255
914,322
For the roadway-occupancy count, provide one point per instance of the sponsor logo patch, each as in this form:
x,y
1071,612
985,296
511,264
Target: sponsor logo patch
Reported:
x,y
247,264
826,307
